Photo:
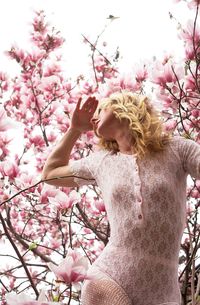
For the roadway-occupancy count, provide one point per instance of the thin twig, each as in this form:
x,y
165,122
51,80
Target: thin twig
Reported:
x,y
18,254
41,181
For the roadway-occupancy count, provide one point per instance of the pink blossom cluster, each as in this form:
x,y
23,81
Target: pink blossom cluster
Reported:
x,y
72,269
4,83
104,69
177,89
192,4
41,36
190,35
23,299
133,81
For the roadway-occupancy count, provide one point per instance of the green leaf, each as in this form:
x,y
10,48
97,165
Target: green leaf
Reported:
x,y
32,246
55,298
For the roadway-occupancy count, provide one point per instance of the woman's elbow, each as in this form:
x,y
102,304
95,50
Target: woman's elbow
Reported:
x,y
44,177
46,174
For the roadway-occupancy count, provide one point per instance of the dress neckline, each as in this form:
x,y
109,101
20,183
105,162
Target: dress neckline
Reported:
x,y
124,154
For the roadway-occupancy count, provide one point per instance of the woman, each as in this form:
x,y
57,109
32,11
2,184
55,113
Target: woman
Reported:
x,y
142,173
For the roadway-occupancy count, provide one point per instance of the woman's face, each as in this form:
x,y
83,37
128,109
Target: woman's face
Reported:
x,y
105,124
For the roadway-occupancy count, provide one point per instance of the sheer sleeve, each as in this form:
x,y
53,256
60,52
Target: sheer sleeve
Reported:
x,y
85,169
189,152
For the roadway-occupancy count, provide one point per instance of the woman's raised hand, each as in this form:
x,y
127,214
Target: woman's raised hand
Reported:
x,y
82,116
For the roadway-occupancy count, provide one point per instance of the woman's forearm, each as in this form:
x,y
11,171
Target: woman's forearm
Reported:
x,y
61,154
57,163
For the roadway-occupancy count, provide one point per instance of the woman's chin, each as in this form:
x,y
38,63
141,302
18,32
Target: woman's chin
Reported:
x,y
97,133
102,134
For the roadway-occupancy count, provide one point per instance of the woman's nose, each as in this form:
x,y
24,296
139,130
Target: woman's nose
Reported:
x,y
94,121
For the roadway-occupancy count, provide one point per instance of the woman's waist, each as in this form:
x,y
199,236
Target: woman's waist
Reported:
x,y
133,254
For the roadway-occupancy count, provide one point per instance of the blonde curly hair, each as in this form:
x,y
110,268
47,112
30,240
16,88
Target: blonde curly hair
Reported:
x,y
145,123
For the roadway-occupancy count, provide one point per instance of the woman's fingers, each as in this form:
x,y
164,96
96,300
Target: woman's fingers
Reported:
x,y
90,104
83,114
78,104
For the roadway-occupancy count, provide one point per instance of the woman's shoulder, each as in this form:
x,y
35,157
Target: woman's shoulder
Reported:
x,y
100,152
175,140
178,141
97,155
181,145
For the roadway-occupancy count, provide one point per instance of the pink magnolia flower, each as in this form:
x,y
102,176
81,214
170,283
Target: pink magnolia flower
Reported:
x,y
195,113
42,35
141,73
60,116
26,179
104,69
3,81
39,24
23,299
5,140
72,269
8,168
47,42
88,88
189,36
41,158
163,75
14,213
189,52
170,125
52,136
190,84
165,99
198,184
17,54
5,122
37,141
52,69
100,63
55,244
35,56
49,83
87,231
47,192
195,194
64,201
193,4
67,86
53,42
89,138
124,82
100,206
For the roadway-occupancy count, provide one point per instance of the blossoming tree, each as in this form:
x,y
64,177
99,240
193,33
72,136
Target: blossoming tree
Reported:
x,y
49,234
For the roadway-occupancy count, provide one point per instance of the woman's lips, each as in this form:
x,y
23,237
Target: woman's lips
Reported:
x,y
96,124
95,127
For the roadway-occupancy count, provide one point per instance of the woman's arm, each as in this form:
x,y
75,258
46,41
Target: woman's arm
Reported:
x,y
190,156
57,163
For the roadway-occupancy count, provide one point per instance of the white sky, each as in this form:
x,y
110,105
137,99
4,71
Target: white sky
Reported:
x,y
142,31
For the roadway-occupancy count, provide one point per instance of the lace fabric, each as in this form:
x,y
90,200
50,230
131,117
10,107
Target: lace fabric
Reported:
x,y
103,290
145,203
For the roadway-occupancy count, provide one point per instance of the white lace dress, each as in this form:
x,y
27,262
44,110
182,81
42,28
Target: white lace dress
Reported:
x,y
145,203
